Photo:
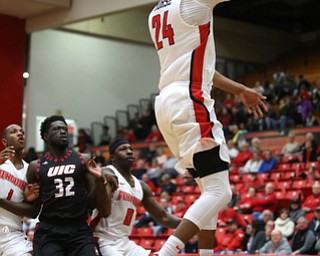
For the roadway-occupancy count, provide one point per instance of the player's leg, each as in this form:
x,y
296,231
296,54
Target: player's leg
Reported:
x,y
15,243
132,249
44,244
216,194
82,243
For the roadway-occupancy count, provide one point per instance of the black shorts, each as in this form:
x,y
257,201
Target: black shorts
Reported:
x,y
53,240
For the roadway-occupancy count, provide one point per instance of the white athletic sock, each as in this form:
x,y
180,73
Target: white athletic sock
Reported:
x,y
171,247
205,252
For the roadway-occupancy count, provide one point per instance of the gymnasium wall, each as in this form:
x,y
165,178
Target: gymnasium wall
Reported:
x,y
86,78
12,51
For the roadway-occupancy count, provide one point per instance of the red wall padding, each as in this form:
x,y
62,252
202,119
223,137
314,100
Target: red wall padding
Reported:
x,y
12,57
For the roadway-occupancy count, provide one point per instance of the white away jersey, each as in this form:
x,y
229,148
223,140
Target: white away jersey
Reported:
x,y
186,52
123,211
12,185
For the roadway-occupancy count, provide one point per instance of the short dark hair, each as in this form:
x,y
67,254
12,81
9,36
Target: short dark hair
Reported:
x,y
45,125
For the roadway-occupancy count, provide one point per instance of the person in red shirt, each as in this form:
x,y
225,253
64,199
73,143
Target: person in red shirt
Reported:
x,y
229,213
245,204
231,240
266,200
244,155
313,200
154,135
251,180
181,208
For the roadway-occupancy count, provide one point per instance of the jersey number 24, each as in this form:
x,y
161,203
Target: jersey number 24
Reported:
x,y
162,26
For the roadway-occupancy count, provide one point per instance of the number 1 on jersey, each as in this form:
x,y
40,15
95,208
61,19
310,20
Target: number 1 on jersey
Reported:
x,y
167,31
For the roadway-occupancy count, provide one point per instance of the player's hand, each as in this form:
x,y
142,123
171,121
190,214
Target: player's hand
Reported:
x,y
31,192
7,153
112,179
94,168
253,101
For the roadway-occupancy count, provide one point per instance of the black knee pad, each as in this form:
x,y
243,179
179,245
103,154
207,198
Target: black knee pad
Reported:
x,y
209,162
193,173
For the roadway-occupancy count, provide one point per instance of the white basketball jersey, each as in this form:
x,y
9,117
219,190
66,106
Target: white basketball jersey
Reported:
x,y
186,52
123,211
12,185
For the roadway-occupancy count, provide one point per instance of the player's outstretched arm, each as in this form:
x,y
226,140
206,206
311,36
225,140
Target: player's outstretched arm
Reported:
x,y
100,186
252,100
156,211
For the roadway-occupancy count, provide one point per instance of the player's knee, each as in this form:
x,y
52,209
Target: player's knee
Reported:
x,y
209,162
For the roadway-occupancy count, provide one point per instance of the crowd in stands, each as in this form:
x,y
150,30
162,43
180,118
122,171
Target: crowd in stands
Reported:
x,y
261,217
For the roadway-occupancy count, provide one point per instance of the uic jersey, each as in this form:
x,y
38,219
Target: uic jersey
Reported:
x,y
63,189
186,52
125,202
12,185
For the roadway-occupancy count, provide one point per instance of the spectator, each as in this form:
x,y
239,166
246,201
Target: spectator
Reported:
x,y
228,213
277,245
181,208
253,164
145,178
258,88
151,152
284,224
154,135
269,163
313,200
139,169
244,206
235,196
262,237
266,200
303,240
251,180
231,240
314,224
167,184
105,137
248,238
169,167
155,171
84,141
295,210
311,174
129,134
244,155
232,150
99,159
286,114
292,147
311,120
309,154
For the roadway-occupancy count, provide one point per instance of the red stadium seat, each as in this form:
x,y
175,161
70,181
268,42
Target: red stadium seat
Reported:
x,y
298,184
280,194
187,189
147,243
293,194
284,167
289,174
145,232
284,184
189,199
158,244
298,166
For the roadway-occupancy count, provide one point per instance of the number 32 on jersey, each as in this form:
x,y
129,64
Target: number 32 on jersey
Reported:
x,y
163,29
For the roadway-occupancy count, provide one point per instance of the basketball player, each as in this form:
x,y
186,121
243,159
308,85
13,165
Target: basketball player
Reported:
x,y
113,232
182,31
67,190
13,182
